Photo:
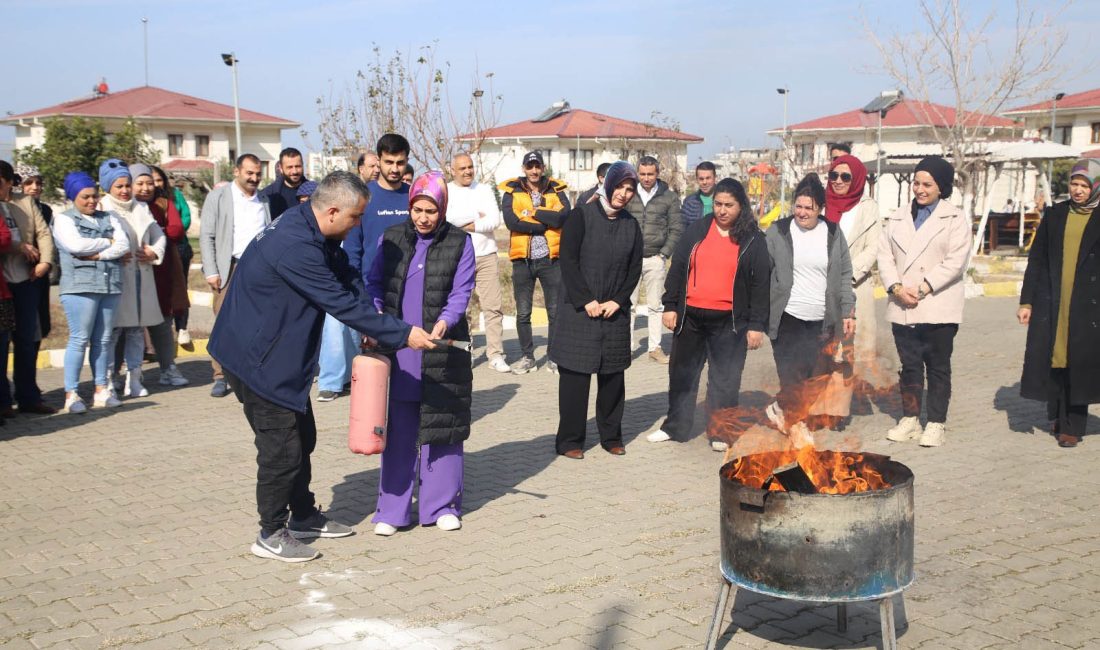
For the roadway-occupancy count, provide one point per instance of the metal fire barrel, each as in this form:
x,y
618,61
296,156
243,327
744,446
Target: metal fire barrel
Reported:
x,y
820,547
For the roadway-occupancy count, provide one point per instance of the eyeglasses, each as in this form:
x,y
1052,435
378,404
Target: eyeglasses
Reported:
x,y
845,176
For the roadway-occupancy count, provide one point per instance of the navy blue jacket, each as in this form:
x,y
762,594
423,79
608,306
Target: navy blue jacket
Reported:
x,y
268,332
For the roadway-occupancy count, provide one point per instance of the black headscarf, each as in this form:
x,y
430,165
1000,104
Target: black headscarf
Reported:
x,y
941,171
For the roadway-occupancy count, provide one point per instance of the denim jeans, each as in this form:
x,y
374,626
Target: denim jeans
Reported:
x,y
25,341
133,348
524,274
338,348
91,319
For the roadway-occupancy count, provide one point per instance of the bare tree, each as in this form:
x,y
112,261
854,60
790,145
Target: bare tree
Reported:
x,y
956,55
410,96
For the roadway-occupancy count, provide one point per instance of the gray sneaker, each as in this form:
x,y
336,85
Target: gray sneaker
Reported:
x,y
317,526
552,367
524,366
281,546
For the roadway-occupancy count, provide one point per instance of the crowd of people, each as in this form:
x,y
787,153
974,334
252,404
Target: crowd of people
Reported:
x,y
306,273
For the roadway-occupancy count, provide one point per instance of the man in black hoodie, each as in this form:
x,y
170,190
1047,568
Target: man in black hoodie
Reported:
x,y
282,194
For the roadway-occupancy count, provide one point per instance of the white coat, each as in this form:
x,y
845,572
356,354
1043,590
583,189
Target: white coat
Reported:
x,y
142,230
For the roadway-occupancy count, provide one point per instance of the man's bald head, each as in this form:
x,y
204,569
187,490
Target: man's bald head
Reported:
x,y
463,169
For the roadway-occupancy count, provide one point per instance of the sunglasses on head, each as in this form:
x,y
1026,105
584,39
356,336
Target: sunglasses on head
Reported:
x,y
844,176
113,165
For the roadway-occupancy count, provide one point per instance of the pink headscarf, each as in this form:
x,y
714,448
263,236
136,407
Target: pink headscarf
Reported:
x,y
430,185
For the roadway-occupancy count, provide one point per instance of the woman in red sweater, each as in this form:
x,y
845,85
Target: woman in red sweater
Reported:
x,y
716,304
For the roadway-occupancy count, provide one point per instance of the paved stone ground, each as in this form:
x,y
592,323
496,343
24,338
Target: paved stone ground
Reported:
x,y
131,529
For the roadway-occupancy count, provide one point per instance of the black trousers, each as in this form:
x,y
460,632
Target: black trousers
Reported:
x,y
803,366
573,392
524,274
186,253
925,349
284,441
1071,418
707,337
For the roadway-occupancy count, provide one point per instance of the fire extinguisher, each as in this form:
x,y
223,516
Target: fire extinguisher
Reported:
x,y
370,399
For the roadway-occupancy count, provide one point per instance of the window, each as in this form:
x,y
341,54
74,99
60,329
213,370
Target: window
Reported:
x,y
1095,139
202,146
580,159
1061,133
175,144
806,153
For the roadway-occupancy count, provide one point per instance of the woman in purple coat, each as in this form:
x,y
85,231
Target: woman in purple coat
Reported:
x,y
424,273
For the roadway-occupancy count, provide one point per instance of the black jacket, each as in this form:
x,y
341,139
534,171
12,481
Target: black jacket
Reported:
x,y
1042,290
446,381
659,219
751,286
601,260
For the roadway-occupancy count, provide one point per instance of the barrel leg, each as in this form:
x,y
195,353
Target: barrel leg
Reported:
x,y
842,617
719,614
886,614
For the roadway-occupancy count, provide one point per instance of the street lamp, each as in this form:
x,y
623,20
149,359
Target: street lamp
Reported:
x,y
1053,118
231,60
881,104
783,161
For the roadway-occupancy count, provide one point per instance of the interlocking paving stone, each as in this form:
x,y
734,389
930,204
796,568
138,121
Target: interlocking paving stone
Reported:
x,y
130,528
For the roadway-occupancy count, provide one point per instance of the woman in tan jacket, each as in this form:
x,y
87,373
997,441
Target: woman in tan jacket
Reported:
x,y
922,256
848,205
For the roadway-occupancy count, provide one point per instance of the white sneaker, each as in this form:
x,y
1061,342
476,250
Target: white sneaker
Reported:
x,y
133,385
172,377
551,367
933,436
385,530
719,445
448,522
184,337
106,399
73,404
775,414
800,435
658,436
499,364
907,428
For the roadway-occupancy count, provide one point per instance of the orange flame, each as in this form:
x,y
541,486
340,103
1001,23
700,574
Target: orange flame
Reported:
x,y
832,472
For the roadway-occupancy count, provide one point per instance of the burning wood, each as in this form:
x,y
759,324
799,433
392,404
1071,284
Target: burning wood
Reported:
x,y
794,479
827,472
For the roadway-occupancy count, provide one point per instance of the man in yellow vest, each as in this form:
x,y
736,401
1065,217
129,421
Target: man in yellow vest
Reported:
x,y
534,208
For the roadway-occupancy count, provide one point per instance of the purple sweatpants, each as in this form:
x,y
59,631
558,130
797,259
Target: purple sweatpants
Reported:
x,y
440,469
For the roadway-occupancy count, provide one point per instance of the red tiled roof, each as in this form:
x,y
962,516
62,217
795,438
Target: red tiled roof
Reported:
x,y
1087,99
151,102
578,123
1092,153
908,113
187,165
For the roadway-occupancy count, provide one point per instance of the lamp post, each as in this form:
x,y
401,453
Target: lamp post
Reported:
x,y
783,161
881,104
231,60
145,30
1053,120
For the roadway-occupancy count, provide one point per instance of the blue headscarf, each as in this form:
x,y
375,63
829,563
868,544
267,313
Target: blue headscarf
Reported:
x,y
75,182
110,171
619,171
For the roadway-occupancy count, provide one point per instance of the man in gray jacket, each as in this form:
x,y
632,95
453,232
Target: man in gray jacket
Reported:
x,y
232,216
657,209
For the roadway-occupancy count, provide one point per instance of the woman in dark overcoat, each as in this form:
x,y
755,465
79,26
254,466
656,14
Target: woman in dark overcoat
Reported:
x,y
601,262
1058,303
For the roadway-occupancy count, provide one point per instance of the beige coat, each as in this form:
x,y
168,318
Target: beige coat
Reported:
x,y
937,253
142,230
863,249
32,228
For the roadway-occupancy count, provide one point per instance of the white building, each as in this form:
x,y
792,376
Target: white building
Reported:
x,y
907,135
574,142
192,134
1077,116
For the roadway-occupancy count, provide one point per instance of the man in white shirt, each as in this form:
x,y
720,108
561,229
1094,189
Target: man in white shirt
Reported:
x,y
473,207
232,216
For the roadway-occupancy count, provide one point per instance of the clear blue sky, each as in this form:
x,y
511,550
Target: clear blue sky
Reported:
x,y
714,65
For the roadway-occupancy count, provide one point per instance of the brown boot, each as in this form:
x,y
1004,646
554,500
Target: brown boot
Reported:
x,y
1068,440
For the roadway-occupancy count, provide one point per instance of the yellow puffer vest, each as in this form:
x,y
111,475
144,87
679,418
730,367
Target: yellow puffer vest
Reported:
x,y
520,244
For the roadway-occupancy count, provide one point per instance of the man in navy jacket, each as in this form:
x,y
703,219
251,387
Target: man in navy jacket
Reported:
x,y
268,337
